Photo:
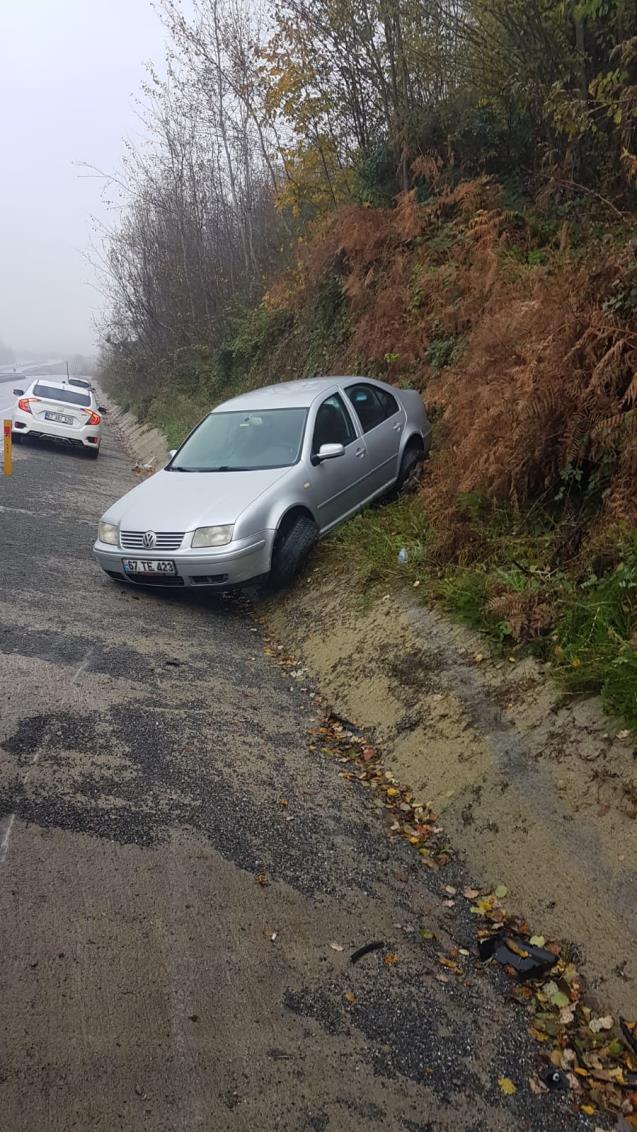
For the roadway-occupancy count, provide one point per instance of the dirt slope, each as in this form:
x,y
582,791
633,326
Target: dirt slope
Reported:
x,y
537,795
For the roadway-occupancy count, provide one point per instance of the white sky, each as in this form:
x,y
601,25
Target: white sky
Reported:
x,y
69,74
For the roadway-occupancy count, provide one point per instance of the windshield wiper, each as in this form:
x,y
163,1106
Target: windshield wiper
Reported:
x,y
218,468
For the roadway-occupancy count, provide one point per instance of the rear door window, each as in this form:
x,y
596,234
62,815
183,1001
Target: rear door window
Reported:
x,y
370,408
388,401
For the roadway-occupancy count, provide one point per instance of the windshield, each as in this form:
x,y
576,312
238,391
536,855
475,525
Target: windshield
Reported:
x,y
242,442
56,393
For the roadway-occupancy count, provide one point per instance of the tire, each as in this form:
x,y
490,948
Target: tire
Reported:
x,y
410,470
292,547
92,453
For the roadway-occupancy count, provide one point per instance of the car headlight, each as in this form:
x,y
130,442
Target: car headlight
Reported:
x,y
108,532
212,536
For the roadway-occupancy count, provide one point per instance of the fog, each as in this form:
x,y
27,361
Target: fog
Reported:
x,y
70,71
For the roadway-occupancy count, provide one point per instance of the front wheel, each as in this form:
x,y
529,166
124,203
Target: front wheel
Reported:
x,y
292,547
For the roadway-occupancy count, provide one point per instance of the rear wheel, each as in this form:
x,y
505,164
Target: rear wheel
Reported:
x,y
292,546
410,472
92,453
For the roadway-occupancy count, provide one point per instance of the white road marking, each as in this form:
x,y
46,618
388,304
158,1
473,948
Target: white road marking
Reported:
x,y
4,844
16,510
82,665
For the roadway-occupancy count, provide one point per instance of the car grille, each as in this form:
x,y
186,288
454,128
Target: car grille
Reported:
x,y
165,540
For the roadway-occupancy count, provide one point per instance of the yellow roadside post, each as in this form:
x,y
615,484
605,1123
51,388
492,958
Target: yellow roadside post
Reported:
x,y
7,462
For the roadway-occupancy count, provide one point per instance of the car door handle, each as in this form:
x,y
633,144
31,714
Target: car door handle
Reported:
x,y
360,452
397,427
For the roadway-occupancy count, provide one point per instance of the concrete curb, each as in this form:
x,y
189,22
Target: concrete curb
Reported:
x,y
148,446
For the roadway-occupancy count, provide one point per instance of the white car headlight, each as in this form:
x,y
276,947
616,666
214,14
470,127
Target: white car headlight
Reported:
x,y
108,532
212,536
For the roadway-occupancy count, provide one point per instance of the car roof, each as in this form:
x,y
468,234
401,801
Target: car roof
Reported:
x,y
58,383
55,380
286,395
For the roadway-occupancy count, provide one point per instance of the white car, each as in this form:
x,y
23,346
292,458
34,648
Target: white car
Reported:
x,y
52,407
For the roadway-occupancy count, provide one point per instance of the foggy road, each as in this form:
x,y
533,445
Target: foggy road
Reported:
x,y
153,763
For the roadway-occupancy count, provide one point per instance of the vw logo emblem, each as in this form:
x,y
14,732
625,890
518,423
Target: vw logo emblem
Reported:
x,y
149,540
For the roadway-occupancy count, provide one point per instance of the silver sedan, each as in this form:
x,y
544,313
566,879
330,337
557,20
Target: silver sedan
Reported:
x,y
261,478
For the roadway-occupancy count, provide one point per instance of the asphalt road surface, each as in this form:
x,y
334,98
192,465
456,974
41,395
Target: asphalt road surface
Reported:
x,y
147,980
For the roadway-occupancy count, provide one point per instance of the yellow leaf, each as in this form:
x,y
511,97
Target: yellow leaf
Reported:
x,y
507,1086
587,1109
392,792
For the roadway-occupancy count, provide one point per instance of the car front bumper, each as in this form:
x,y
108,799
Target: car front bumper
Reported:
x,y
231,565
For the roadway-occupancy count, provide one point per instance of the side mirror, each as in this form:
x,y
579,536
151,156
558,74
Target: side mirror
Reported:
x,y
172,452
328,452
18,392
102,409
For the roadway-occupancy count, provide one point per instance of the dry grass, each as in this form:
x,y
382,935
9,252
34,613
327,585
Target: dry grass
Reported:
x,y
546,377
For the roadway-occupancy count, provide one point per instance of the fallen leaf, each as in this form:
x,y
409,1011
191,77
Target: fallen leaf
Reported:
x,y
283,802
501,891
426,934
450,890
337,946
350,998
449,903
599,1024
392,792
471,893
450,965
587,1109
390,959
537,941
536,1086
560,1000
367,753
262,879
507,1086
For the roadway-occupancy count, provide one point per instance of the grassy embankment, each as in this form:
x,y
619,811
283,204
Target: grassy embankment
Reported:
x,y
518,328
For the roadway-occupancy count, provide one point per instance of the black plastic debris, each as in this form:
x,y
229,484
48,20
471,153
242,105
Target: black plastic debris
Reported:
x,y
553,1078
629,1032
527,961
375,945
346,724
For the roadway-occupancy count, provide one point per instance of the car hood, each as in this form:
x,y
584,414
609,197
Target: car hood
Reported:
x,y
183,501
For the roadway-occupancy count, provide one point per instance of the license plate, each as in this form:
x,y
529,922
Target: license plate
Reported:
x,y
148,566
59,418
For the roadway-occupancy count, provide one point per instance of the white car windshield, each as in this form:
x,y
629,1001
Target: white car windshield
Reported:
x,y
243,442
